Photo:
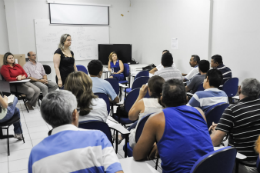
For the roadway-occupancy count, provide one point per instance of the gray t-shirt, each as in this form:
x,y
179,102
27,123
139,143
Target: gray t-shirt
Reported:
x,y
195,82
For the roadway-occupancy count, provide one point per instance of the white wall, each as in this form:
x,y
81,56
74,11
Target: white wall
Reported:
x,y
4,44
155,22
20,15
236,36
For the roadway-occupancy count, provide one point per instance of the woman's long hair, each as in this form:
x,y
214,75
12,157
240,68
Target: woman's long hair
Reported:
x,y
155,84
80,85
62,40
110,56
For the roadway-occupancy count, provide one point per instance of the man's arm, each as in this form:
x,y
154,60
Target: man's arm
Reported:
x,y
217,137
153,70
152,132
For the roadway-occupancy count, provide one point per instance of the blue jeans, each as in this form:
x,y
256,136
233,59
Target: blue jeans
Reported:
x,y
13,111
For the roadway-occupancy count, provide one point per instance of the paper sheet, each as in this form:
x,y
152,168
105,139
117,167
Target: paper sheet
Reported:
x,y
175,43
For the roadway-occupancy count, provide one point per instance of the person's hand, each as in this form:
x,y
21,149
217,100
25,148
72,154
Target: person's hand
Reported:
x,y
143,91
154,153
212,127
19,77
6,99
60,83
23,77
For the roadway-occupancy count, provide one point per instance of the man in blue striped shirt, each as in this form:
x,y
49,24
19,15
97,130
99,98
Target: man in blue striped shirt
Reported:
x,y
211,95
69,148
217,63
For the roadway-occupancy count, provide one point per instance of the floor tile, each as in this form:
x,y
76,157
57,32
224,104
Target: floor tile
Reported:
x,y
43,128
31,119
19,145
3,158
4,167
18,155
36,141
39,135
18,165
35,124
23,171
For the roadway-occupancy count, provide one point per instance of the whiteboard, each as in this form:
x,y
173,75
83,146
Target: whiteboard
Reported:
x,y
85,39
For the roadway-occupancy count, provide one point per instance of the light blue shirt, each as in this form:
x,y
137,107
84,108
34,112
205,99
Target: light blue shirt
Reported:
x,y
208,98
102,86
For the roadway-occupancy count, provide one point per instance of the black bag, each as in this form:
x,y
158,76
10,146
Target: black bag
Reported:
x,y
120,111
149,67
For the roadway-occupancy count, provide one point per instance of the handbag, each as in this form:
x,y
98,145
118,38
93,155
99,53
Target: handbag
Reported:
x,y
149,67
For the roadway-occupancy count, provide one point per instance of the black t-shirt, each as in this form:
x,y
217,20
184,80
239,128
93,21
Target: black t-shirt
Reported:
x,y
66,65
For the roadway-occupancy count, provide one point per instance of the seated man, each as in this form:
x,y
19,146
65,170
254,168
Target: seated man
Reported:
x,y
168,72
95,69
69,148
197,80
241,121
194,62
211,95
217,63
180,131
160,66
36,73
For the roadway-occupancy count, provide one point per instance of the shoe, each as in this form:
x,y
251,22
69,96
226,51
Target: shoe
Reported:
x,y
18,136
29,106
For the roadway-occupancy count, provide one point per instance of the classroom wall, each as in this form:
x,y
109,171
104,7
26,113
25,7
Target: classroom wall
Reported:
x,y
236,36
3,29
20,15
155,22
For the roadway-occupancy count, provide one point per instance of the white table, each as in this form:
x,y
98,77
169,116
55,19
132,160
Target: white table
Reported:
x,y
129,165
238,156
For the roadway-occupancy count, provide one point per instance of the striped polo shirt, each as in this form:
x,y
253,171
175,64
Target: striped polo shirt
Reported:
x,y
242,122
208,98
226,73
169,73
71,149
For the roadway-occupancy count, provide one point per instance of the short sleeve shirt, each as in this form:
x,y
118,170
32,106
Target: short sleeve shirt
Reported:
x,y
195,82
193,72
160,66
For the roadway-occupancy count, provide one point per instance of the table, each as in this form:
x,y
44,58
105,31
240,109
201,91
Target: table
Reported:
x,y
129,165
113,124
238,156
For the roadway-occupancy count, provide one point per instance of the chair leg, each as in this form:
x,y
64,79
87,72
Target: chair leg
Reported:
x,y
39,102
8,150
116,142
156,164
237,166
25,106
22,133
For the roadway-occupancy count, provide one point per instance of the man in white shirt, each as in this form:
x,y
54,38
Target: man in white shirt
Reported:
x,y
194,62
168,72
160,66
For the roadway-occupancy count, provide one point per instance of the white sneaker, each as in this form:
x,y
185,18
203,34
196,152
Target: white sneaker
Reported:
x,y
18,136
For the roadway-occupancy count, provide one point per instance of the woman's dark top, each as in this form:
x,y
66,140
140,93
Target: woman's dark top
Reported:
x,y
66,65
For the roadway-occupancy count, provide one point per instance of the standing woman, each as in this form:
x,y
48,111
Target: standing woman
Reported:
x,y
117,65
14,72
63,59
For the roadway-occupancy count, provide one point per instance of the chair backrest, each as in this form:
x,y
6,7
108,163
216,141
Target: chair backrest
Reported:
x,y
230,87
97,125
140,126
142,73
82,68
105,98
114,84
215,113
200,88
126,70
221,160
131,98
47,69
139,82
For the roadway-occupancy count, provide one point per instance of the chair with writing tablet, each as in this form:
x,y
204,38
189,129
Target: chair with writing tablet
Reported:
x,y
82,68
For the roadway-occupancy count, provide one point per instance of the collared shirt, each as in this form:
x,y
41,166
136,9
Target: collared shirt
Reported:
x,y
34,70
169,73
160,66
10,73
242,122
102,86
208,98
226,73
193,72
194,83
72,149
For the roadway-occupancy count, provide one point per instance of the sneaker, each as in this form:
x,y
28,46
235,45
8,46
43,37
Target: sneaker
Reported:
x,y
18,136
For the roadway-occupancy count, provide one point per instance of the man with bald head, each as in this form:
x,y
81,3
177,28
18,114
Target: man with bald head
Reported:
x,y
36,73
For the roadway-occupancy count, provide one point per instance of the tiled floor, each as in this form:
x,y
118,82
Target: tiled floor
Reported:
x,y
35,130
